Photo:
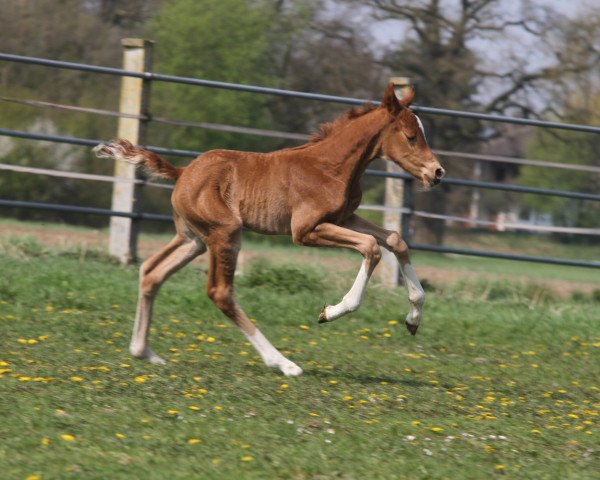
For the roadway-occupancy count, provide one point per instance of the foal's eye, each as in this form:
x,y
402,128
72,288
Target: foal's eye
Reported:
x,y
411,138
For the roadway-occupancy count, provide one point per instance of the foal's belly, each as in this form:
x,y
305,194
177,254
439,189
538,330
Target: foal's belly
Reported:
x,y
270,218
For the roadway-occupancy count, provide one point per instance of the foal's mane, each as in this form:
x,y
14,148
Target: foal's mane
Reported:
x,y
326,129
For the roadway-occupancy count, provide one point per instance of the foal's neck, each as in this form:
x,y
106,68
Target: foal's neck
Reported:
x,y
355,145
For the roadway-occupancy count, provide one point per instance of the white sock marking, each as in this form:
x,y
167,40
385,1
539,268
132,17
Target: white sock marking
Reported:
x,y
271,356
416,294
353,298
421,126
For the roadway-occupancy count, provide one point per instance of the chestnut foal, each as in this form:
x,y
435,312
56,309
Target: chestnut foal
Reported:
x,y
309,192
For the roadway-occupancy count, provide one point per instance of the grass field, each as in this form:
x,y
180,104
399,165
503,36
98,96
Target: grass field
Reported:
x,y
501,380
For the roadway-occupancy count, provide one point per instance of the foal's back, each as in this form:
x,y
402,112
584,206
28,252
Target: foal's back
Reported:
x,y
247,189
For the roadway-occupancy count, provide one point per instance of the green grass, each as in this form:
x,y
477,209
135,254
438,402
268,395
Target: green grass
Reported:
x,y
498,382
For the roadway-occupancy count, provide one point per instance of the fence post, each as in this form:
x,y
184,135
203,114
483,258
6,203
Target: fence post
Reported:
x,y
389,272
133,101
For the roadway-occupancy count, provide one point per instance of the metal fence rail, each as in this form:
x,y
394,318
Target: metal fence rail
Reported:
x,y
56,207
307,96
413,246
288,93
261,132
378,173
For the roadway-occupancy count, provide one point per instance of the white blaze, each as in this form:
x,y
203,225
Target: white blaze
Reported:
x,y
421,126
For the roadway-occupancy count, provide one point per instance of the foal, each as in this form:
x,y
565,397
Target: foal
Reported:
x,y
309,192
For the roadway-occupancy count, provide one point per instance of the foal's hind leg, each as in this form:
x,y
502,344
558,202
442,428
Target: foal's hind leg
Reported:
x,y
153,273
223,250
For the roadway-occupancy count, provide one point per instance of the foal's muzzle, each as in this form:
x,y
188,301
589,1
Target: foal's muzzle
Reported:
x,y
439,174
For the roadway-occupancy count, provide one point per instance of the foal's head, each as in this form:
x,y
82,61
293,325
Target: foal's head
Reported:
x,y
403,140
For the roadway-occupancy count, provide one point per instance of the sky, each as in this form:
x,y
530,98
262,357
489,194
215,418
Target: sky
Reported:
x,y
501,50
389,31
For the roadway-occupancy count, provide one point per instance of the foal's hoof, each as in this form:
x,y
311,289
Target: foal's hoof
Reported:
x,y
323,315
412,328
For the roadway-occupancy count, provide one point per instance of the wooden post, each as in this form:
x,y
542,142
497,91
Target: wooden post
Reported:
x,y
133,101
389,272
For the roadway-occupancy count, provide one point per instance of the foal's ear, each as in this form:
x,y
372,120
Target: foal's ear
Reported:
x,y
390,100
407,99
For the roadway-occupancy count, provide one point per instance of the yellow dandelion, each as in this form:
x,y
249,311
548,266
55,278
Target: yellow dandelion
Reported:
x,y
247,458
437,429
45,441
194,407
77,379
393,322
172,412
140,379
304,327
33,477
67,438
218,408
211,339
500,467
120,435
194,441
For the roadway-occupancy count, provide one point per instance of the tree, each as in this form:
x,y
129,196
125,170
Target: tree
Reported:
x,y
445,48
69,30
224,40
285,44
575,99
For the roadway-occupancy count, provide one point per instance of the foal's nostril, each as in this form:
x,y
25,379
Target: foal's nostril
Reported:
x,y
439,173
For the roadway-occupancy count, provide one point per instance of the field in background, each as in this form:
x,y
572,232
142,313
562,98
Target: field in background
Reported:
x,y
501,380
440,271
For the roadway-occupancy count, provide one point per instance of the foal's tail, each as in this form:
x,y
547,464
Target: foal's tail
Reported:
x,y
122,149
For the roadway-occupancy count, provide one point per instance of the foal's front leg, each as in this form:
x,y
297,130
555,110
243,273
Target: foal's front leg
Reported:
x,y
331,235
392,242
